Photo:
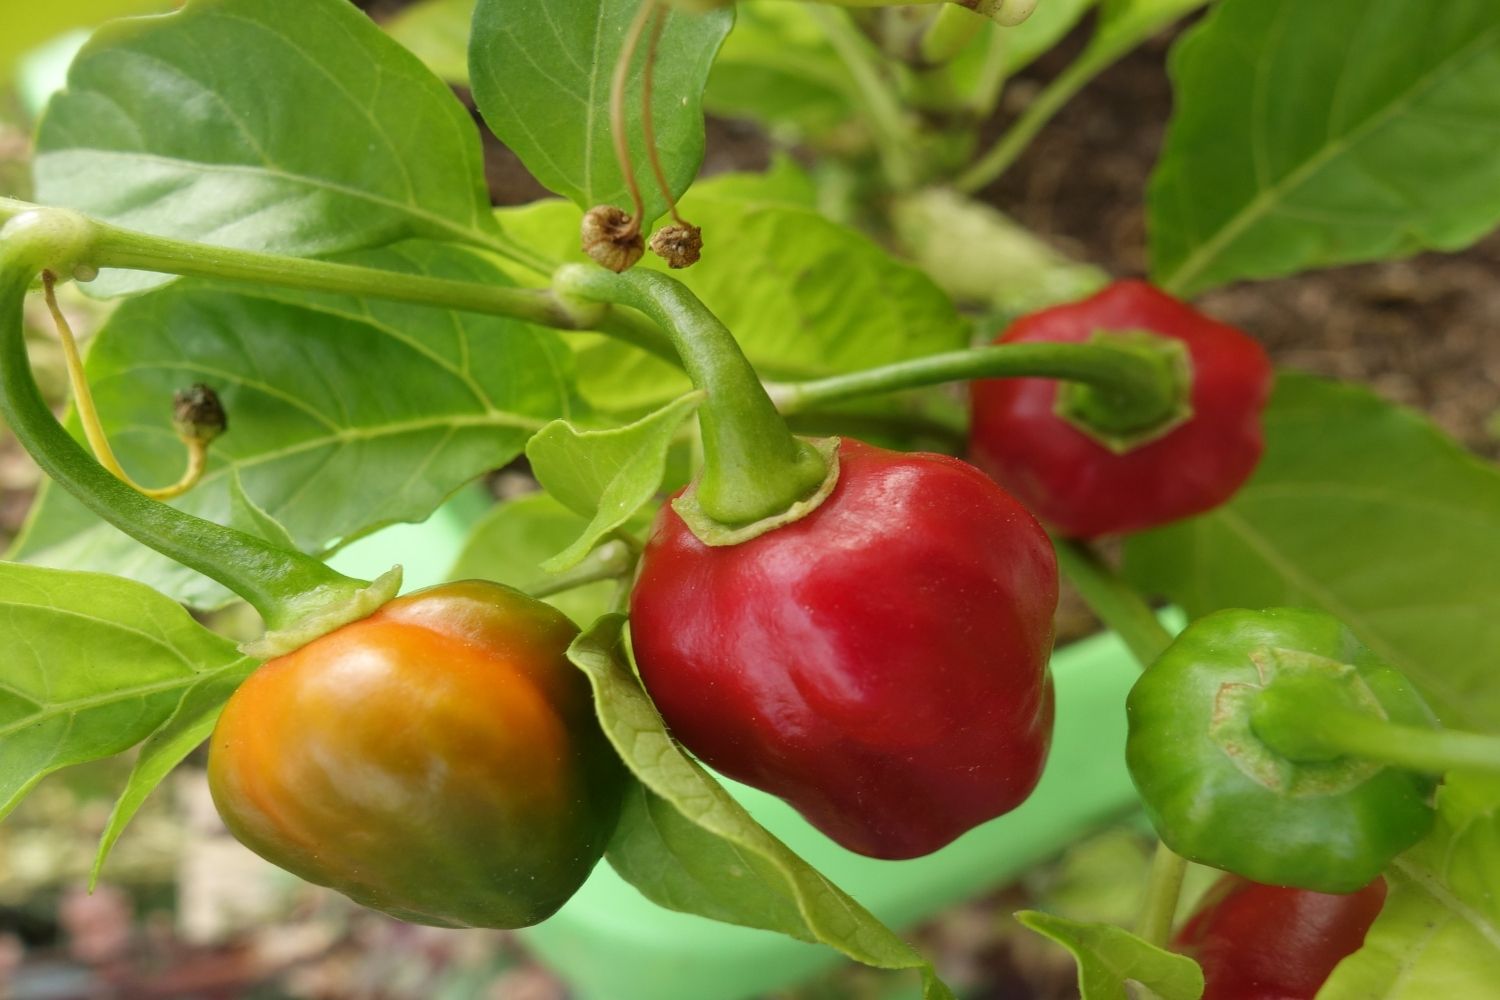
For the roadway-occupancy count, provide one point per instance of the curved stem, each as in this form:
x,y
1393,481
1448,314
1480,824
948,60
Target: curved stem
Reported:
x,y
1119,605
281,585
1131,380
648,117
754,467
619,84
93,428
1163,890
1324,728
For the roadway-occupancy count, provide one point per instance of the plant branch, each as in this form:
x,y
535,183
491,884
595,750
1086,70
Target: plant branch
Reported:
x,y
111,246
1119,605
1131,381
882,110
1163,890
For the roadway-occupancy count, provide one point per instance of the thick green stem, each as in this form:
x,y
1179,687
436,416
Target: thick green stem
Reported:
x,y
1119,605
754,467
1302,719
1129,379
110,246
1163,890
283,586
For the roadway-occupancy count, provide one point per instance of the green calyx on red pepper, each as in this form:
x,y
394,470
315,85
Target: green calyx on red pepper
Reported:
x,y
1122,424
1277,810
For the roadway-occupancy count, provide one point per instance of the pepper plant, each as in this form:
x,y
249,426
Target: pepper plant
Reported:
x,y
777,560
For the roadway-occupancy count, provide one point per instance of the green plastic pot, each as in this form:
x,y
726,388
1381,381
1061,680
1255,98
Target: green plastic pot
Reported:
x,y
609,943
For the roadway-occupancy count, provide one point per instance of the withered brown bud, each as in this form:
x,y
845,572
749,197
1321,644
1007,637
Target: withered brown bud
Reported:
x,y
610,239
197,414
679,244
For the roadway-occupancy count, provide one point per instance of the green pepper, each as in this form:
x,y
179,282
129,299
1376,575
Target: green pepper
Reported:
x,y
1225,794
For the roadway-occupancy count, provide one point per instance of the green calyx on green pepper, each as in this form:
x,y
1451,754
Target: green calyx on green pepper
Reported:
x,y
1229,780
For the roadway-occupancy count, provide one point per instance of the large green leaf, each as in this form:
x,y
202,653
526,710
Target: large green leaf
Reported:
x,y
804,296
1438,934
294,126
686,844
542,69
345,414
1312,134
1109,957
1368,512
94,665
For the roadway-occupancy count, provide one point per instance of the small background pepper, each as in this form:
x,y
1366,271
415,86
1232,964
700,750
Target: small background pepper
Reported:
x,y
1219,795
439,760
1081,486
1262,942
880,663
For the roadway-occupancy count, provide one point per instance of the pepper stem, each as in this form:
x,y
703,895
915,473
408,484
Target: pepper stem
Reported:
x,y
287,588
1163,891
1308,719
1124,383
1119,605
755,470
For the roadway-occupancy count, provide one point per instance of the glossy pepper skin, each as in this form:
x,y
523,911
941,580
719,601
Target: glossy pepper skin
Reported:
x,y
1262,942
1080,487
1220,796
881,663
439,760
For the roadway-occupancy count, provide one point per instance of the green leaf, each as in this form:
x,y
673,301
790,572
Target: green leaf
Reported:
x,y
1368,512
437,32
604,475
294,126
805,297
345,414
712,858
542,74
510,543
1438,933
1108,956
1308,135
164,749
94,665
248,516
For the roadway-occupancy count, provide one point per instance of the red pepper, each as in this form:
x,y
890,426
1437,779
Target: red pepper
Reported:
x,y
1262,942
881,663
1080,486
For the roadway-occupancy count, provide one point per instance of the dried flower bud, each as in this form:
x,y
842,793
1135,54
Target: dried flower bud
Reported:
x,y
679,244
610,239
197,414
